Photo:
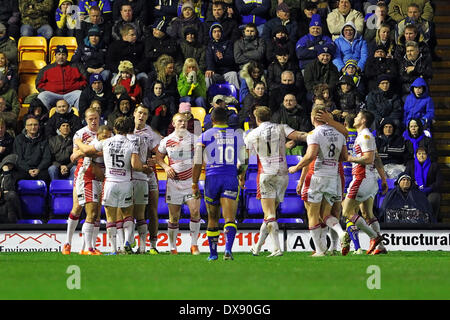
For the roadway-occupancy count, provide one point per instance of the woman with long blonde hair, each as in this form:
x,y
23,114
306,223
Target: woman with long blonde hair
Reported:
x,y
192,85
164,71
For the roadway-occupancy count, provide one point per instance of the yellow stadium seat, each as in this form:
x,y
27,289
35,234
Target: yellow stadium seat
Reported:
x,y
25,89
31,66
23,111
69,42
32,48
199,113
53,110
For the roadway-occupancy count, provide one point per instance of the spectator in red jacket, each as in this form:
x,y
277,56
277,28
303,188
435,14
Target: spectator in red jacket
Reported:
x,y
60,80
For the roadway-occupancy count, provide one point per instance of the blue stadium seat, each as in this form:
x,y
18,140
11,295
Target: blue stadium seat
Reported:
x,y
252,163
61,197
226,89
32,195
259,221
292,206
57,221
290,220
253,205
293,160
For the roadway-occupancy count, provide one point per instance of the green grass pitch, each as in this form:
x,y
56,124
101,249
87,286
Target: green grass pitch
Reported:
x,y
294,276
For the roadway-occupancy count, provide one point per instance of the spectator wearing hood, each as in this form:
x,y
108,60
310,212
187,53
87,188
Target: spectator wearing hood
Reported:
x,y
351,69
61,148
158,42
419,104
296,117
307,46
99,90
391,148
384,103
256,12
283,18
92,54
187,18
157,99
62,111
379,64
230,27
6,140
220,58
343,14
250,47
350,45
280,40
33,152
250,73
412,66
65,18
415,136
10,207
94,18
193,47
321,70
124,108
427,175
406,203
282,63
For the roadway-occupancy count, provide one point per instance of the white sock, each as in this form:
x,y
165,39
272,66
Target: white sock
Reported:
x,y
142,231
112,236
71,226
315,235
87,230
376,227
120,237
334,240
263,233
128,228
173,232
194,227
153,243
323,236
333,223
361,224
94,236
272,227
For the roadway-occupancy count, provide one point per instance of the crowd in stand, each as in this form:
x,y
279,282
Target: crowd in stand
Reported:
x,y
166,54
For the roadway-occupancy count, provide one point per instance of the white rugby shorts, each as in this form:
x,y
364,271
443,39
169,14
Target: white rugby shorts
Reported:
x,y
179,192
140,192
315,188
273,186
117,194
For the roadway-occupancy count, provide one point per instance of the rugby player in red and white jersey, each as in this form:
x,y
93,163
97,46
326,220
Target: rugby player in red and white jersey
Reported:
x,y
322,183
120,156
179,148
268,141
364,185
152,140
147,141
85,193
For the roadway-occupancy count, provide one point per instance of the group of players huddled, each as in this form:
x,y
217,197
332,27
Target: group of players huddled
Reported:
x,y
116,169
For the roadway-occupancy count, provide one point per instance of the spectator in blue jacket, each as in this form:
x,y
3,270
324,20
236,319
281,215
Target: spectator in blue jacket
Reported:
x,y
254,11
220,57
283,18
350,45
307,46
419,104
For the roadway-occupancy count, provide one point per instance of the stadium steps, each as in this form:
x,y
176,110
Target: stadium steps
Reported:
x,y
440,92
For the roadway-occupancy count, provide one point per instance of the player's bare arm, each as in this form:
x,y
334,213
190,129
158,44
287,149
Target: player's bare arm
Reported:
x,y
366,159
88,150
137,164
301,180
298,136
311,154
168,169
380,169
242,169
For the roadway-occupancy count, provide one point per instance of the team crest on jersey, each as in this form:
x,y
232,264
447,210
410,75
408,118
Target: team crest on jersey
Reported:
x,y
366,136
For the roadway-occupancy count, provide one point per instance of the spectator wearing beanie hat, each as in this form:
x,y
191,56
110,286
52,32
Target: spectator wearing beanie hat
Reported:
x,y
307,46
280,64
62,111
280,39
321,70
65,18
99,90
187,18
127,78
158,42
379,64
61,148
124,108
194,125
92,53
283,18
193,47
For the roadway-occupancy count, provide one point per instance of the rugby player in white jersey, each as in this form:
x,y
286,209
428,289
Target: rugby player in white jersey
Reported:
x,y
364,185
85,191
322,183
268,141
152,140
120,157
147,141
179,148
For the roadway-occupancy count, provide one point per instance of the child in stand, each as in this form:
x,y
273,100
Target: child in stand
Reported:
x,y
127,78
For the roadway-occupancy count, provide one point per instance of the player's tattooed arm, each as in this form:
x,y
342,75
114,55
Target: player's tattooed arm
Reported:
x,y
88,150
298,136
328,119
